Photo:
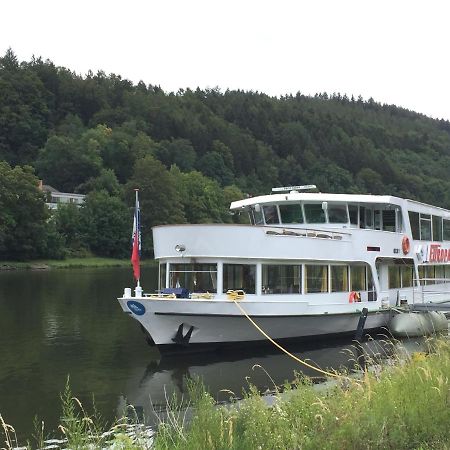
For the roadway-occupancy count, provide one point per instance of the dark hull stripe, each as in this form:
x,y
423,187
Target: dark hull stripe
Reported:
x,y
272,316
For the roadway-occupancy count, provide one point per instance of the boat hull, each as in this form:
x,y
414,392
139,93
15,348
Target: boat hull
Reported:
x,y
172,325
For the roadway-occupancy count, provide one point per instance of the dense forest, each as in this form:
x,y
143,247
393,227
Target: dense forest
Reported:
x,y
190,153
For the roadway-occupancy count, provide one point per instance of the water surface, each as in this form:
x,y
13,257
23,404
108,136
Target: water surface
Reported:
x,y
60,323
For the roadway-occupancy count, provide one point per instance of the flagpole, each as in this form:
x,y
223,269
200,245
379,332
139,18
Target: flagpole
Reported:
x,y
138,230
136,246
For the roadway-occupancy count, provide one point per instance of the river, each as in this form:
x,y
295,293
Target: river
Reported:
x,y
60,323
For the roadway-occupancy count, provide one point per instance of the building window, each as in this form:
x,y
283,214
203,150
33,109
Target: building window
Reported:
x,y
316,278
281,279
239,276
339,278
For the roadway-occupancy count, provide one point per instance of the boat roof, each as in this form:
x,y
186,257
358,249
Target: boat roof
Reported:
x,y
295,196
316,197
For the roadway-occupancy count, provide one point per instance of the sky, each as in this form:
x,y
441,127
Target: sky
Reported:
x,y
395,51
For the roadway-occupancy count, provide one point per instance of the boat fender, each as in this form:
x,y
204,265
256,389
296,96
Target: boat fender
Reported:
x,y
406,246
354,297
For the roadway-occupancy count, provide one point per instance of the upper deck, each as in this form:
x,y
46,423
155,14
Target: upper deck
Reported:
x,y
377,212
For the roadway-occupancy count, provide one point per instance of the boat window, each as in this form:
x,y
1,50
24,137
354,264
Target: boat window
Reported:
x,y
194,277
358,278
415,224
422,275
339,278
439,273
291,213
429,275
377,219
337,213
365,217
162,276
316,278
281,279
446,230
314,213
399,215
271,214
425,227
353,213
407,273
437,228
388,216
394,277
256,216
371,291
447,272
239,276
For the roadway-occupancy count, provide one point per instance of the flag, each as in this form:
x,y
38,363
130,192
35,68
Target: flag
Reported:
x,y
136,241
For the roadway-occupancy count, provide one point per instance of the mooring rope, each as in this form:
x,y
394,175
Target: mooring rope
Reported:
x,y
301,361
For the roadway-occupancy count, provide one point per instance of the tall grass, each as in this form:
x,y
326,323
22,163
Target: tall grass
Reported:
x,y
405,405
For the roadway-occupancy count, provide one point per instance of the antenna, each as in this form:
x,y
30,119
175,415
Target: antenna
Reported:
x,y
305,187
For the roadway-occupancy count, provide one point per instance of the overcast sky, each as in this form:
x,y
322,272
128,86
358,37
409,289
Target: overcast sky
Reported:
x,y
394,51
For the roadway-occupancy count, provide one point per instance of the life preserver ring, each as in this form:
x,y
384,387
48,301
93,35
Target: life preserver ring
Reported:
x,y
406,246
354,297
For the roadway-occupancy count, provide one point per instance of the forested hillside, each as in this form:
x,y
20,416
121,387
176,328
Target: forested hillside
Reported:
x,y
190,153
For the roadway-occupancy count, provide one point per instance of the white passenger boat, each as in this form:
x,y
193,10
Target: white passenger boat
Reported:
x,y
304,267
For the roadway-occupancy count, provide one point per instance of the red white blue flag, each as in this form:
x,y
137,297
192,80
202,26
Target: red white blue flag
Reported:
x,y
136,241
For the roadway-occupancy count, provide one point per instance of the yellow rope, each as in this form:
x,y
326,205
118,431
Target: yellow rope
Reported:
x,y
324,372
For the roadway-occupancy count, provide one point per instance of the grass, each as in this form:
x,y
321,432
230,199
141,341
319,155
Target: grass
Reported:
x,y
69,263
405,404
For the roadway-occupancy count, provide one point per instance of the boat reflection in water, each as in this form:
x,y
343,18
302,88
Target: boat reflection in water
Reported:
x,y
150,388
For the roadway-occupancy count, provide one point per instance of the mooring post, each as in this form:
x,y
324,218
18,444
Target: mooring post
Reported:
x,y
361,323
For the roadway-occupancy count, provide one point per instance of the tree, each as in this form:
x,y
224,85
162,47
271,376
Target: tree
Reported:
x,y
179,152
23,214
107,225
23,112
65,163
68,223
160,199
202,197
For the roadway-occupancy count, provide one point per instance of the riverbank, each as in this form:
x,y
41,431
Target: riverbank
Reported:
x,y
69,263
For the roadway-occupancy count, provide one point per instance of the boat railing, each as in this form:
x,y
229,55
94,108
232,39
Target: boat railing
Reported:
x,y
308,232
435,290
